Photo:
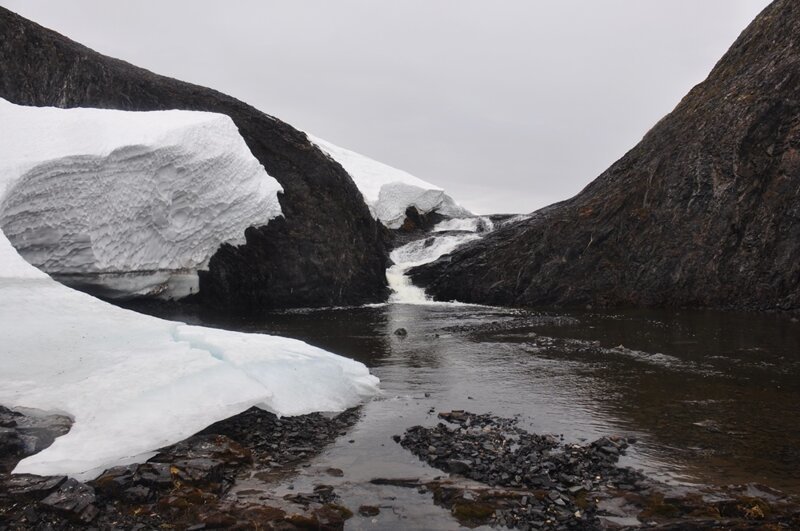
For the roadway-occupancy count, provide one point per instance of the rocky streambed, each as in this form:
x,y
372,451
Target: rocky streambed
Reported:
x,y
530,481
554,480
499,475
601,420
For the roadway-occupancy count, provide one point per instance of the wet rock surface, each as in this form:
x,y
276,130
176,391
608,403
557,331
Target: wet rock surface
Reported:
x,y
73,500
282,443
501,476
416,226
523,322
54,502
703,212
23,435
495,451
185,486
530,481
326,249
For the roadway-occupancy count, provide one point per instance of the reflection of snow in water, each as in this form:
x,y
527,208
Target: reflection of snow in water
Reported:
x,y
427,250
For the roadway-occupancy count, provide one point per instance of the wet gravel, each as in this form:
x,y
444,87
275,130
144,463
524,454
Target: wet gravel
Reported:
x,y
499,475
23,435
524,321
530,481
495,451
184,486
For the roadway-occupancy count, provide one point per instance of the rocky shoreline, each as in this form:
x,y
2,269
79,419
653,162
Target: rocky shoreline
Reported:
x,y
184,486
495,451
532,481
499,475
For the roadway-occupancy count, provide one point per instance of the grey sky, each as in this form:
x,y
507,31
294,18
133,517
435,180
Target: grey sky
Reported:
x,y
508,105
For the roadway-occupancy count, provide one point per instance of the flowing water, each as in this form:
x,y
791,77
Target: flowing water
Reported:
x,y
417,253
713,397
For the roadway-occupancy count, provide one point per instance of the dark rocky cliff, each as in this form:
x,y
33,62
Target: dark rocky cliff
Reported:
x,y
327,250
704,212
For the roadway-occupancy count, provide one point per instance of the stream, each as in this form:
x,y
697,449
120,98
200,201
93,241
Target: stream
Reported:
x,y
713,398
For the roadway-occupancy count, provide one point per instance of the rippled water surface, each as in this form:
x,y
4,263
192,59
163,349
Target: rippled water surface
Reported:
x,y
712,397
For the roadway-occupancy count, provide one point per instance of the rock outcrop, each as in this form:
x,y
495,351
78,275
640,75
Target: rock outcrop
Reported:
x,y
326,250
703,212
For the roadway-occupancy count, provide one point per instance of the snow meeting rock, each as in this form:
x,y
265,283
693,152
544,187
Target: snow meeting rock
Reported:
x,y
133,201
85,185
388,191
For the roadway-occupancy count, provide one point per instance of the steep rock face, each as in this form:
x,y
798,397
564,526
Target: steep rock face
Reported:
x,y
704,212
327,250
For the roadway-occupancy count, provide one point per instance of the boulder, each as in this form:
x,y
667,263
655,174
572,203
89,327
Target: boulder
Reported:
x,y
73,500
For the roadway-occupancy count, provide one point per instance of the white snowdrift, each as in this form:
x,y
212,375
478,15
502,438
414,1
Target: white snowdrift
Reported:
x,y
132,201
389,191
134,383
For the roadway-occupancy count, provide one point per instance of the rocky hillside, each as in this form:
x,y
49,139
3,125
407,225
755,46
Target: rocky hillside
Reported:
x,y
326,250
703,212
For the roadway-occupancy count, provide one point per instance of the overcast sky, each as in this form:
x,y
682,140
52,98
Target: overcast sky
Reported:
x,y
508,105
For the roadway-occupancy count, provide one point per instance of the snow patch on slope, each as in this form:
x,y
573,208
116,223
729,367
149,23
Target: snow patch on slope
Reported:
x,y
389,191
135,202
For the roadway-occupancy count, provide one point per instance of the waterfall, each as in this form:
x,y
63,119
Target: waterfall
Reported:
x,y
445,238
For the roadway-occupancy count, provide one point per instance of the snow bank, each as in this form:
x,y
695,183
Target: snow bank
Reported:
x,y
134,383
134,202
389,191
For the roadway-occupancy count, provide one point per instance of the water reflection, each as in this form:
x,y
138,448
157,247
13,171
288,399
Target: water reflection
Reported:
x,y
713,396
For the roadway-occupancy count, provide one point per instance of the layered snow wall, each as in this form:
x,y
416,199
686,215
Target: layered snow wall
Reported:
x,y
389,191
134,383
127,203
